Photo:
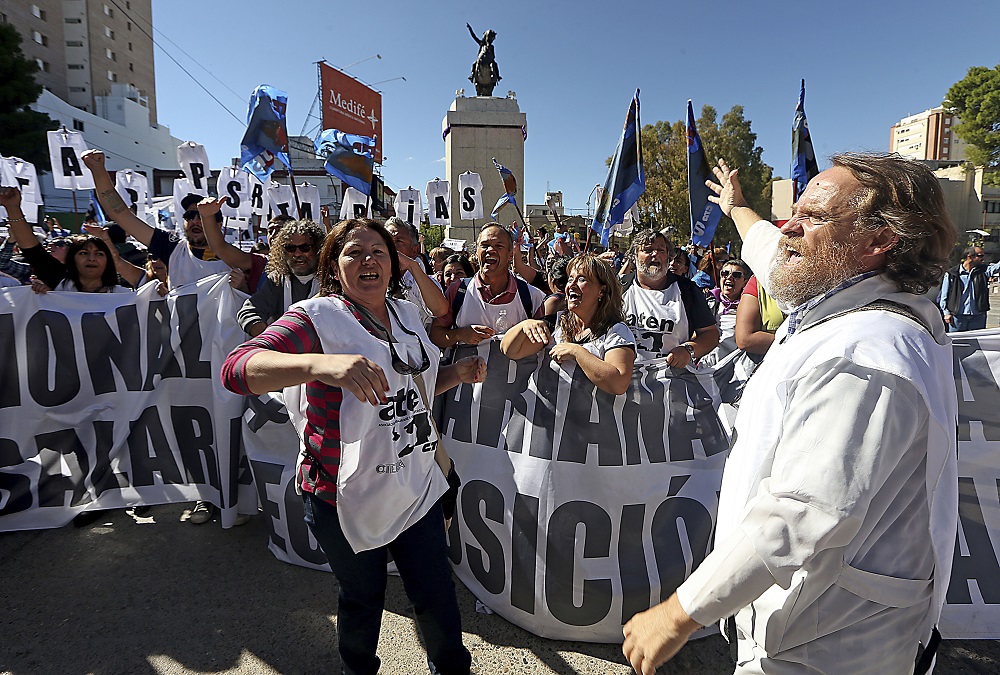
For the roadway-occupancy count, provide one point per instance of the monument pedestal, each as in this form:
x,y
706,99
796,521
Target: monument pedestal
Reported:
x,y
477,129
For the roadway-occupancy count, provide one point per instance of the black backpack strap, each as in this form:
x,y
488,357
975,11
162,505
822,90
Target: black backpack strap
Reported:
x,y
524,293
456,303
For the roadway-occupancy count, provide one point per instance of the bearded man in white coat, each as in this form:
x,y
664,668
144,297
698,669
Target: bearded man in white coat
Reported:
x,y
839,504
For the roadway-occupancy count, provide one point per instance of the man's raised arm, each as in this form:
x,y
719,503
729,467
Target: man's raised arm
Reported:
x,y
111,201
229,254
729,196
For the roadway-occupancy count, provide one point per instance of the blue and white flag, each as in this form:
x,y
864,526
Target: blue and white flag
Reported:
x,y
349,157
626,177
266,138
705,215
804,165
509,186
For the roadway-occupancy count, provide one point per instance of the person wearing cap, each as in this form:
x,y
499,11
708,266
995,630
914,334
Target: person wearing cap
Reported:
x,y
188,258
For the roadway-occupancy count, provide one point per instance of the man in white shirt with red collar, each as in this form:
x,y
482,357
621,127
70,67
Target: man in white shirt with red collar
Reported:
x,y
490,302
839,501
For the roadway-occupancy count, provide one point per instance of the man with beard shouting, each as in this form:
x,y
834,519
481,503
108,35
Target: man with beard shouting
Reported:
x,y
188,259
838,509
668,314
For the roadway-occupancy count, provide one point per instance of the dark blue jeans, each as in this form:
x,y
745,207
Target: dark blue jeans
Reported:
x,y
964,322
421,556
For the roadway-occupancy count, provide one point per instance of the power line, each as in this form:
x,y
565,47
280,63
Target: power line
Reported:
x,y
186,71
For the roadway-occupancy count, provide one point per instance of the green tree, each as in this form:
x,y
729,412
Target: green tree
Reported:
x,y
976,100
23,129
664,154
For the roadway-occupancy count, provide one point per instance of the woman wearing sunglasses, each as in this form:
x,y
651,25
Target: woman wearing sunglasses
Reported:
x,y
724,300
359,371
290,275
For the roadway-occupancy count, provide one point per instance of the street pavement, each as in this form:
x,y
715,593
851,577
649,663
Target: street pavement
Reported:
x,y
157,594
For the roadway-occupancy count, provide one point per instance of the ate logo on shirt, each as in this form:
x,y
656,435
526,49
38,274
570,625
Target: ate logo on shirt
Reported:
x,y
649,340
401,406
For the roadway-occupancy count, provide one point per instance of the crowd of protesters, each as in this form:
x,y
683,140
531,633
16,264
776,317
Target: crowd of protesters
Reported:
x,y
323,301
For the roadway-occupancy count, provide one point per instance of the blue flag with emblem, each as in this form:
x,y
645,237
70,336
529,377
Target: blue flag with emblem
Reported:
x,y
266,138
704,214
626,177
349,157
804,166
509,185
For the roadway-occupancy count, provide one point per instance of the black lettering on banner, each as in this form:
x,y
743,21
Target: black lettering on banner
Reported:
x,y
15,488
104,477
440,208
544,416
189,326
54,448
10,391
456,406
269,474
237,461
257,197
981,563
195,438
640,417
632,561
469,199
524,552
149,451
265,409
410,206
233,189
578,437
560,563
133,199
197,174
69,161
971,360
304,544
692,416
499,392
306,211
160,359
359,211
283,208
487,565
102,348
666,537
49,336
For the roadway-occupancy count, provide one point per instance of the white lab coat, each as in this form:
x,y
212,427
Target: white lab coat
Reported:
x,y
839,505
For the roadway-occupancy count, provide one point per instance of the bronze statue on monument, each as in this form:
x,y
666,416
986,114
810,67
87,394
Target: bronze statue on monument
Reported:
x,y
485,73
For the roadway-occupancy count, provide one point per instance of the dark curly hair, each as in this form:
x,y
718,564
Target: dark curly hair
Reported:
x,y
334,245
277,259
904,195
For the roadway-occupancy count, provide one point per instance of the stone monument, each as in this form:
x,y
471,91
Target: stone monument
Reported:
x,y
477,129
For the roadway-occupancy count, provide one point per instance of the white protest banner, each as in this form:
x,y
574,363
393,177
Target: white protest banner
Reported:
x,y
27,180
454,244
438,196
470,195
194,163
257,205
407,206
353,205
113,399
133,188
68,170
308,202
235,184
280,200
577,511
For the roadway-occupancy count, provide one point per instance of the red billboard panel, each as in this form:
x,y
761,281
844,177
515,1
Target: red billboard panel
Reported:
x,y
351,106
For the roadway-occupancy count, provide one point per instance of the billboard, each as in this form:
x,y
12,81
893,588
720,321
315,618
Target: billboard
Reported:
x,y
350,106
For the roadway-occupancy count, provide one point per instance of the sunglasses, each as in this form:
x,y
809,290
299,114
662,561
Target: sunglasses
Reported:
x,y
398,364
59,244
292,248
735,274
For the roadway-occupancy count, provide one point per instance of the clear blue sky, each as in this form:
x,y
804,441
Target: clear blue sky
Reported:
x,y
574,66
